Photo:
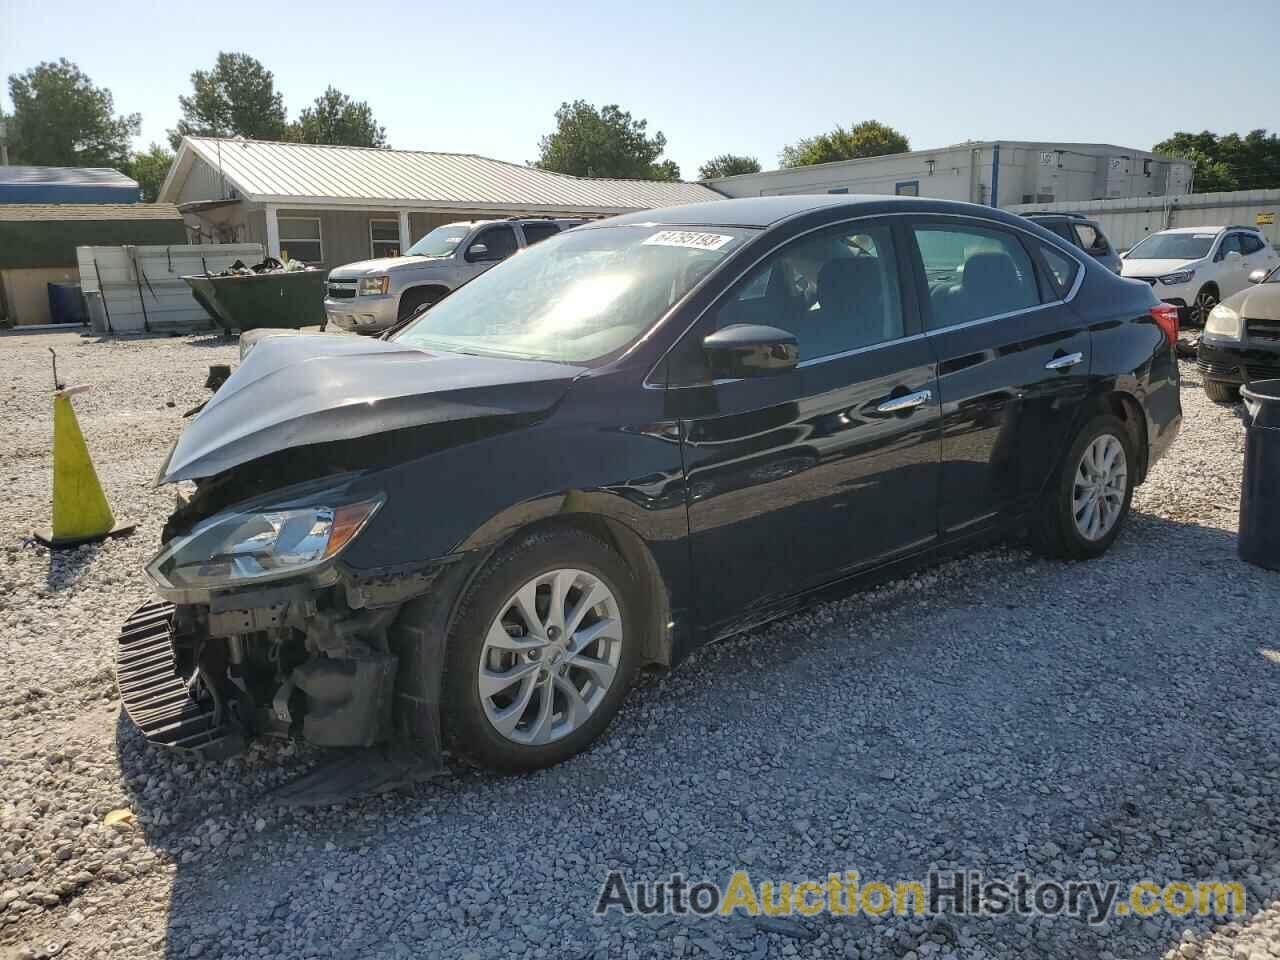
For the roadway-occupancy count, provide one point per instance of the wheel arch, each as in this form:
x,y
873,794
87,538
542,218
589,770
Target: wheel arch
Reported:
x,y
1125,407
416,293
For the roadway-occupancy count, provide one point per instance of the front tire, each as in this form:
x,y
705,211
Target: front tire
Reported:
x,y
1220,392
1202,306
542,651
1086,503
414,301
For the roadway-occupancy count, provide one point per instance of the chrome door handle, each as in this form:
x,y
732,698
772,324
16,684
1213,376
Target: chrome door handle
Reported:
x,y
1063,363
908,402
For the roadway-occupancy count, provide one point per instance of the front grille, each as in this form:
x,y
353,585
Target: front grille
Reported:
x,y
1231,371
342,289
1262,329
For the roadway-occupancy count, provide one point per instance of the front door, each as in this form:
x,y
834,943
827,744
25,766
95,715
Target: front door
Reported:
x,y
490,246
1013,364
801,477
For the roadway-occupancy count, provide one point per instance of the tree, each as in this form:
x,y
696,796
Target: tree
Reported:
x,y
336,118
61,119
150,169
728,165
604,142
871,138
1229,161
236,98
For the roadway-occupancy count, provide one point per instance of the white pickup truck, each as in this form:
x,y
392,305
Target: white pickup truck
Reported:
x,y
372,295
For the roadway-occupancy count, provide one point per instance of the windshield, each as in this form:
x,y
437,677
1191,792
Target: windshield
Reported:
x,y
1173,246
576,296
440,242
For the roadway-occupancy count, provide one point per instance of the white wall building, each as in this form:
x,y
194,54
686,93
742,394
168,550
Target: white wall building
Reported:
x,y
998,173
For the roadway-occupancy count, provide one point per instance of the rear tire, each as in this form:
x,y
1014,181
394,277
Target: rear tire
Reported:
x,y
1220,392
1086,503
504,726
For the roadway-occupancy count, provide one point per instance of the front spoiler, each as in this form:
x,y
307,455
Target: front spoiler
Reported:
x,y
162,704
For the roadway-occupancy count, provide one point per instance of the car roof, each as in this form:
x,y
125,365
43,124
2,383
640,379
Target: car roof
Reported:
x,y
1208,229
1052,215
761,212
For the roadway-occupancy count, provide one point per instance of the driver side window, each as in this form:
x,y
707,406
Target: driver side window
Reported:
x,y
499,241
836,290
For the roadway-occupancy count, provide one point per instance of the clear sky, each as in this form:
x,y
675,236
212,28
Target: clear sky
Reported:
x,y
486,78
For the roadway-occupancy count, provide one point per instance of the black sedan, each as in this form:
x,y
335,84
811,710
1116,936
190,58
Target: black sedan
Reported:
x,y
639,436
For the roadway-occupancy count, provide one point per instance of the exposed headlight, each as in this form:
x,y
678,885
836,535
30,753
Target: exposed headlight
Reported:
x,y
1182,276
1223,322
238,547
374,286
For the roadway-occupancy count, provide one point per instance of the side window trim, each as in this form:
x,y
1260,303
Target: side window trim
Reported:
x,y
658,379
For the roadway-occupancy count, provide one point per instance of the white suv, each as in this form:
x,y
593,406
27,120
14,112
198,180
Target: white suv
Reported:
x,y
1196,267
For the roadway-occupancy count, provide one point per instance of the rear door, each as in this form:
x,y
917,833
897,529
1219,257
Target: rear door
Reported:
x,y
1013,363
799,478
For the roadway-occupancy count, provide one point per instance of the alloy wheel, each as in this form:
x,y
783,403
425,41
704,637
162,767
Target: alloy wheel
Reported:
x,y
550,656
1202,306
1101,483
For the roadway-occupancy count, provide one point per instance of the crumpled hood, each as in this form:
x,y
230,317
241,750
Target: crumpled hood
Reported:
x,y
365,268
295,391
1153,268
1259,301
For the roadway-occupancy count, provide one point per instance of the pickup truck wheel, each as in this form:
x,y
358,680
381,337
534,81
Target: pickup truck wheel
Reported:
x,y
1220,392
413,301
1085,505
542,651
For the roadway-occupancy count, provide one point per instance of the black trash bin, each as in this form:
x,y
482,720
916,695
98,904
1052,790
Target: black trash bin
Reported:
x,y
1259,541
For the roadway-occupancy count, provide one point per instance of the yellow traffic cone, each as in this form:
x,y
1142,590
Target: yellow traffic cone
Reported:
x,y
80,511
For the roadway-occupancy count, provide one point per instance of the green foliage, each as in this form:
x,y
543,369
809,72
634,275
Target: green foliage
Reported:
x,y
1229,161
150,169
335,118
60,119
871,138
728,165
604,142
236,98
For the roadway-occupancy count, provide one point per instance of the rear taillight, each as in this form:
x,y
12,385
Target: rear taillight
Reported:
x,y
1166,317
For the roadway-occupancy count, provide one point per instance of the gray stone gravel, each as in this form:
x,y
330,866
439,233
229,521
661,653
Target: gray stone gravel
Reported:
x,y
1115,720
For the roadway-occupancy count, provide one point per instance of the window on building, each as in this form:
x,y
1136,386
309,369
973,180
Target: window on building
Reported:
x,y
907,188
836,290
974,273
300,239
384,238
533,232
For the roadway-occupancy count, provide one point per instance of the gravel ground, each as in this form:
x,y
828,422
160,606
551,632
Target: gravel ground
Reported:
x,y
1115,720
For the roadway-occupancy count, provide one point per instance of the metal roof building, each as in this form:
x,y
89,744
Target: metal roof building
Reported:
x,y
352,203
66,185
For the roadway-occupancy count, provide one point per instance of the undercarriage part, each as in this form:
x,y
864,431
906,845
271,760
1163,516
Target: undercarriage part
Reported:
x,y
348,701
167,709
350,774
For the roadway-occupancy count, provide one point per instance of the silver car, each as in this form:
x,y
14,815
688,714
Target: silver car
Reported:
x,y
372,295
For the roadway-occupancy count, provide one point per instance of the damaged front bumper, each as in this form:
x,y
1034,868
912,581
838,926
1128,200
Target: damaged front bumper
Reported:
x,y
333,666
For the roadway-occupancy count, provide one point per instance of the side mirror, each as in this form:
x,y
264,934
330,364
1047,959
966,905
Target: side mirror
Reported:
x,y
476,252
1233,255
750,350
1257,276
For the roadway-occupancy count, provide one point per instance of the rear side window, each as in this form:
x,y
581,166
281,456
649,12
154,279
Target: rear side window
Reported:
x,y
1250,243
974,273
1062,269
533,232
1090,238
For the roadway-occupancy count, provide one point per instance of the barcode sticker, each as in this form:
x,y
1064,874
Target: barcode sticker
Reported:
x,y
687,238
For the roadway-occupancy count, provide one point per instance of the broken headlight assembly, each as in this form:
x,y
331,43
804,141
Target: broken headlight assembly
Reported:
x,y
255,545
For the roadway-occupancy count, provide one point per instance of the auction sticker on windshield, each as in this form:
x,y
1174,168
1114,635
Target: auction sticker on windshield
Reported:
x,y
688,238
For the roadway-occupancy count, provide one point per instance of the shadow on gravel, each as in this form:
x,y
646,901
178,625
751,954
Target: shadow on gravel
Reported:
x,y
923,724
68,566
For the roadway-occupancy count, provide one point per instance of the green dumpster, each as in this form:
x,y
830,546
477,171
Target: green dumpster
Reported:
x,y
246,302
